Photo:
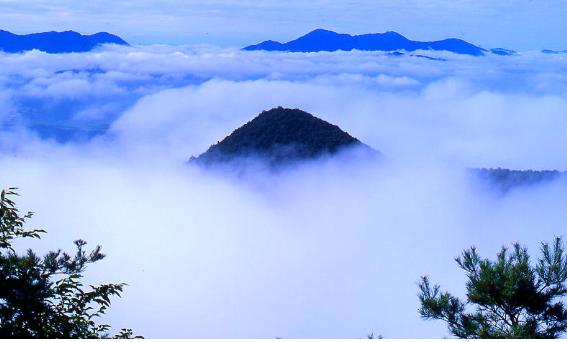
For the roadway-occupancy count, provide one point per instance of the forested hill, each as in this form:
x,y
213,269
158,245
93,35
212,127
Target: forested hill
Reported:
x,y
505,179
281,135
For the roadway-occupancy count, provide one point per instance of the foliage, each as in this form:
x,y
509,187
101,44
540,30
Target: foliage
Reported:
x,y
43,297
506,298
504,179
281,135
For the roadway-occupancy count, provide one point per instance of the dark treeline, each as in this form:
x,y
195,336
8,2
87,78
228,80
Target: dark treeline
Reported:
x,y
506,179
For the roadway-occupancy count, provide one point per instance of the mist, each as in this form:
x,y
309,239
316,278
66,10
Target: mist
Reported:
x,y
98,144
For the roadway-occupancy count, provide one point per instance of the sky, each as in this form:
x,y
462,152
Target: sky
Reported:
x,y
98,144
514,24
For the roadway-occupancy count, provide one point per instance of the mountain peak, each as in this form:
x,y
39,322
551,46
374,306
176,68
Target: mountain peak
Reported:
x,y
320,31
325,40
393,33
280,135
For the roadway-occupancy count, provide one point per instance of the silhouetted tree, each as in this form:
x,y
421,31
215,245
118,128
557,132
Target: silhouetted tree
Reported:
x,y
506,298
43,297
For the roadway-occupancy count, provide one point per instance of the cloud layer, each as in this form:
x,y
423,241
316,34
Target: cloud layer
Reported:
x,y
98,144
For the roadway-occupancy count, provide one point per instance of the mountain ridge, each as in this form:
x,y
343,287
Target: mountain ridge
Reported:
x,y
56,42
504,180
326,40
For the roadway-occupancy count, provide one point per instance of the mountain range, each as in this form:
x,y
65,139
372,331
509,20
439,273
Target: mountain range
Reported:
x,y
325,40
314,41
56,42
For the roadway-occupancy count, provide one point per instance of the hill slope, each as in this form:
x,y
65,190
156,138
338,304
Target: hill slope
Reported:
x,y
56,42
281,135
324,40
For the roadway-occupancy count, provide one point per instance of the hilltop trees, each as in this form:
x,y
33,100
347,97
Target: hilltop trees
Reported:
x,y
280,136
506,298
42,296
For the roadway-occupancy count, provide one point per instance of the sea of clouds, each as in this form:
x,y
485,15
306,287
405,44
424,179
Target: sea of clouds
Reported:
x,y
98,144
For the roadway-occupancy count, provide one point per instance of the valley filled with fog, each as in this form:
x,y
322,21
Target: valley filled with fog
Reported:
x,y
98,145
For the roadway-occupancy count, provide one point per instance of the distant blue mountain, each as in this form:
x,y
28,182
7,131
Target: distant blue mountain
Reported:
x,y
553,51
324,40
56,42
400,54
503,52
429,57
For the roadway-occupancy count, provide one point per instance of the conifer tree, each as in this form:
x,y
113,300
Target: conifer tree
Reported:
x,y
43,296
506,298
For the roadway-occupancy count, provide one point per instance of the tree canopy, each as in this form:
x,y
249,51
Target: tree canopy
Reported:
x,y
43,296
281,135
506,298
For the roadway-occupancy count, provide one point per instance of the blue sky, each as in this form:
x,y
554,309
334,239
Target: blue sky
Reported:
x,y
515,24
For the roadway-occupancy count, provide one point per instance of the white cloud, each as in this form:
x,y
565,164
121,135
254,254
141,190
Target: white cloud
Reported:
x,y
323,251
446,120
329,249
6,107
